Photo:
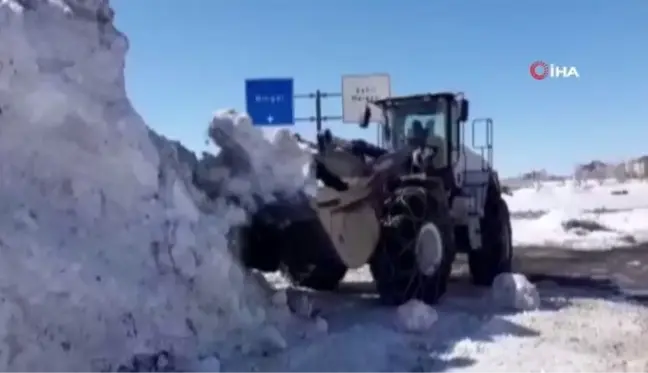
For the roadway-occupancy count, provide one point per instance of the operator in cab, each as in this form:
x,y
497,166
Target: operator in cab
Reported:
x,y
417,134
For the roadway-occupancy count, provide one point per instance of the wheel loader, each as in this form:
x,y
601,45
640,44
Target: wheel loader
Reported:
x,y
405,207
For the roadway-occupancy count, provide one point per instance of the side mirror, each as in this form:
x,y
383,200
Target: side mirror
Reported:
x,y
464,106
386,132
366,117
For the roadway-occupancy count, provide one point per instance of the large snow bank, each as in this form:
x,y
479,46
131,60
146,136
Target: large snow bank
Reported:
x,y
104,250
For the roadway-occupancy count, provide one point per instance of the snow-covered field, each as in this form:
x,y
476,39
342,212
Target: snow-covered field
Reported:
x,y
587,217
106,251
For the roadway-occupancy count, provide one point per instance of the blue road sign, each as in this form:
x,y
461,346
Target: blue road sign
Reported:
x,y
270,102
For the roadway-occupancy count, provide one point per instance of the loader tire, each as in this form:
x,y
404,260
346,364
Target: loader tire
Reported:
x,y
260,245
395,264
309,258
496,254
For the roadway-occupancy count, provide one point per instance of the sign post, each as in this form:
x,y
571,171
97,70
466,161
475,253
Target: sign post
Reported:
x,y
319,118
358,90
270,102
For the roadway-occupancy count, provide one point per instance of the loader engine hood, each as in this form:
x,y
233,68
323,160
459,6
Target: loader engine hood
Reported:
x,y
470,160
471,168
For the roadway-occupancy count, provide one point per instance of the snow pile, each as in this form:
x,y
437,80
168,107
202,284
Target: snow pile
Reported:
x,y
210,364
296,156
103,249
515,291
277,167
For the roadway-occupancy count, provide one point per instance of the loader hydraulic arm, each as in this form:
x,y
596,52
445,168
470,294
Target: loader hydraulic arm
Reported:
x,y
365,149
328,178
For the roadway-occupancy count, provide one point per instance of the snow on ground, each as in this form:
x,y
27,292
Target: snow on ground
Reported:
x,y
614,219
585,336
473,330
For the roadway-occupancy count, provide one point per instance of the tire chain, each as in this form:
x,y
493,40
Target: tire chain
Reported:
x,y
404,201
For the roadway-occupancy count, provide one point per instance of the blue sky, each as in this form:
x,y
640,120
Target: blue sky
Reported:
x,y
189,58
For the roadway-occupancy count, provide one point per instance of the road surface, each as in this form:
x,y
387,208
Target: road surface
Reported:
x,y
621,270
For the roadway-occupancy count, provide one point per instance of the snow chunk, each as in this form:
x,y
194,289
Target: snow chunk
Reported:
x,y
301,304
416,316
210,364
273,340
321,325
280,298
514,290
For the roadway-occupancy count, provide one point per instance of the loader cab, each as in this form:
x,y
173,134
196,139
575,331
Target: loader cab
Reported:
x,y
427,120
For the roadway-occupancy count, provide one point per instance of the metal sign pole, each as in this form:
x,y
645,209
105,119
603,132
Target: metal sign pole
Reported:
x,y
318,118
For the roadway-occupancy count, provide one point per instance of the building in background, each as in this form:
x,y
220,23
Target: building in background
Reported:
x,y
638,168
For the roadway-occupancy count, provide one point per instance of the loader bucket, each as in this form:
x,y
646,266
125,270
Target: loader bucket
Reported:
x,y
288,227
350,220
351,217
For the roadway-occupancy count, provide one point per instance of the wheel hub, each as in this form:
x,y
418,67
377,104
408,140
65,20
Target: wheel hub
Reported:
x,y
429,249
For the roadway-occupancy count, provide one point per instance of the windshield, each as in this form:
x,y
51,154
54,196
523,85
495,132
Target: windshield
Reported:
x,y
424,126
412,128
